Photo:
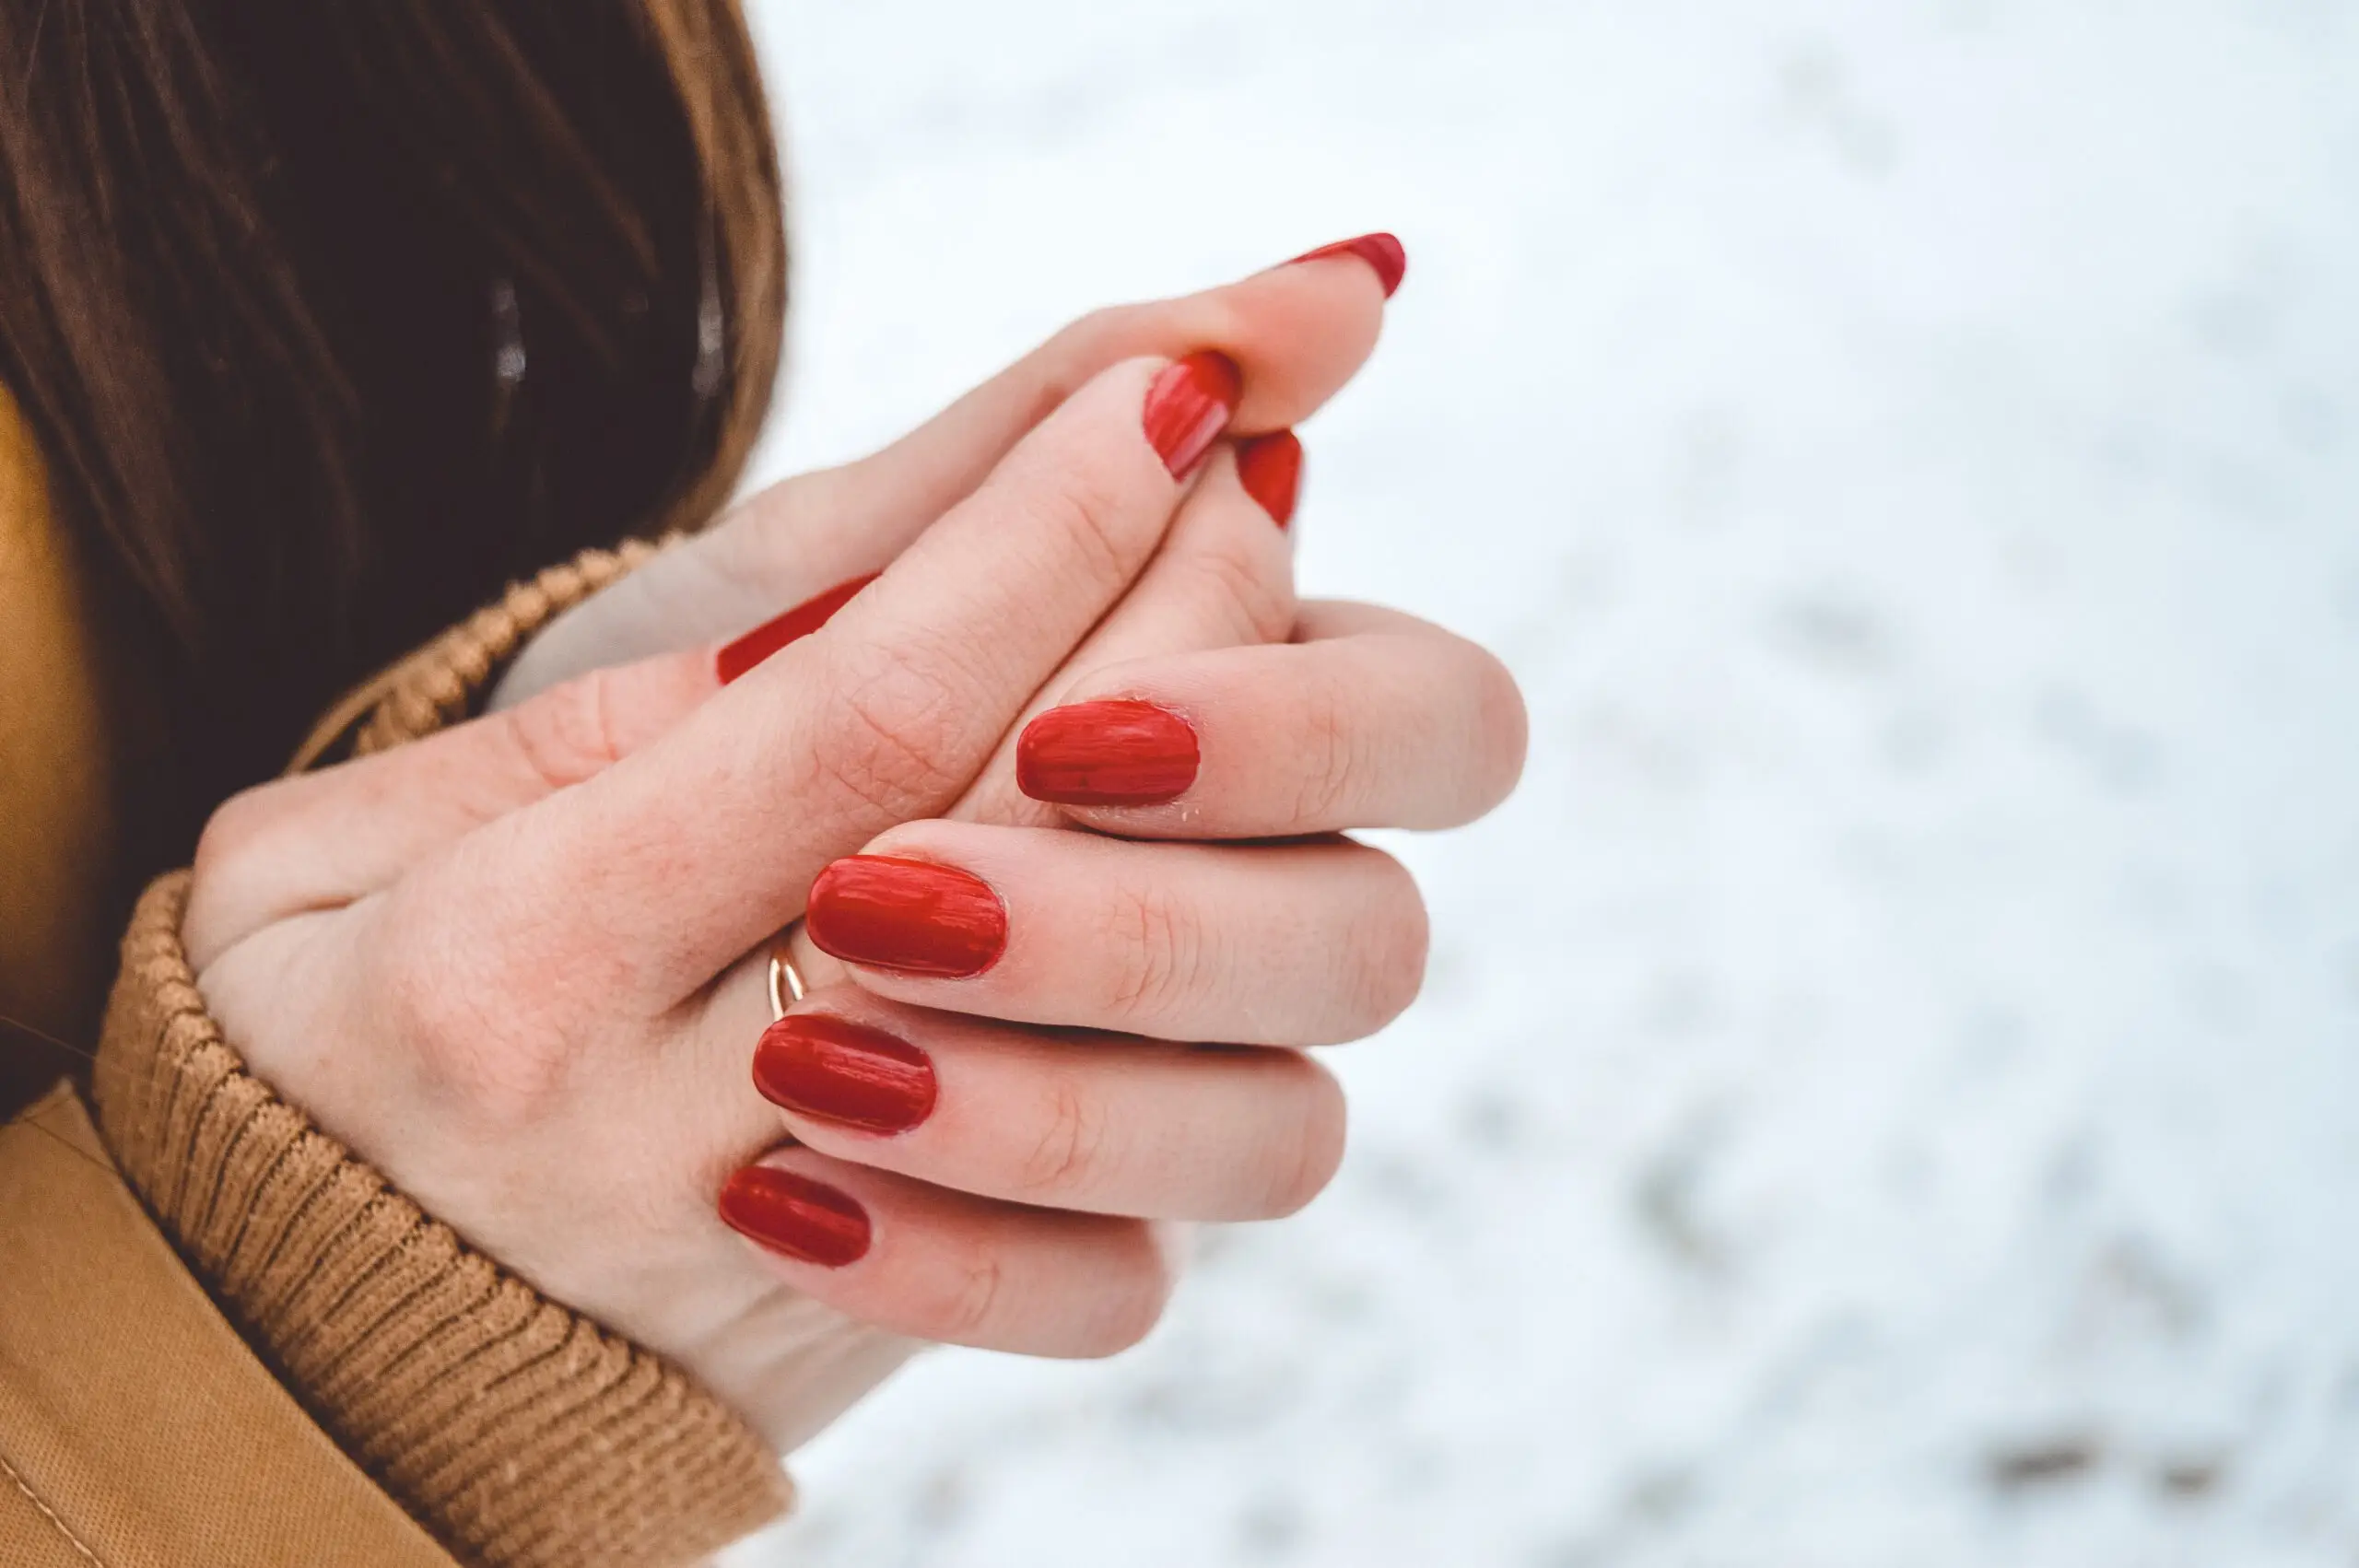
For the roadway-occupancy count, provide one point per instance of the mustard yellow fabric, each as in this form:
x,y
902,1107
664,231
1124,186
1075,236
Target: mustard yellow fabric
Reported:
x,y
56,787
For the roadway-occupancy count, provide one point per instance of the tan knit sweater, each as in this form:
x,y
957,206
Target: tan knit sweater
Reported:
x,y
518,1431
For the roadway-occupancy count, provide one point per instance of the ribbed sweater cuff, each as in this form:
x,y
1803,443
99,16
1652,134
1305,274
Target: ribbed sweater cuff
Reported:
x,y
521,1433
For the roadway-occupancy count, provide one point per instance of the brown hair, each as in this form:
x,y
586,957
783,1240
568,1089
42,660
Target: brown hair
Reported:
x,y
331,317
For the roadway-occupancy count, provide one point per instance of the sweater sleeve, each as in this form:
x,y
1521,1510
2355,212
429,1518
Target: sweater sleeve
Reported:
x,y
518,1431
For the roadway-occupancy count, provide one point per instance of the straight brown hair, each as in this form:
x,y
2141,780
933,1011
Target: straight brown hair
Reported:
x,y
330,317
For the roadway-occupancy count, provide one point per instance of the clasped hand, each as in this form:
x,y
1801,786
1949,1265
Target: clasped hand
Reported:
x,y
1058,797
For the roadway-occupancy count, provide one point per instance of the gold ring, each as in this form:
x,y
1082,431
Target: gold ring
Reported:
x,y
786,980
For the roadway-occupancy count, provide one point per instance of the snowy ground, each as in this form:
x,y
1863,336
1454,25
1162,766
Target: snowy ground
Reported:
x,y
1888,1091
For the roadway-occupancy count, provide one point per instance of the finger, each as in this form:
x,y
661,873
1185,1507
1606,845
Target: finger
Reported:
x,y
933,1264
1293,944
1086,497
1102,1123
1298,332
1224,576
694,847
1398,724
324,840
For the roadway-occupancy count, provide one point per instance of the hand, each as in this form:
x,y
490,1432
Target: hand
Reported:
x,y
578,1130
400,945
910,1065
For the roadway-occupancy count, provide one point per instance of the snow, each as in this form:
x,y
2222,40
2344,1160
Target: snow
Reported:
x,y
1887,1090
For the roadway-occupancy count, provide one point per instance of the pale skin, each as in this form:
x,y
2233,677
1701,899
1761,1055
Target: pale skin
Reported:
x,y
520,965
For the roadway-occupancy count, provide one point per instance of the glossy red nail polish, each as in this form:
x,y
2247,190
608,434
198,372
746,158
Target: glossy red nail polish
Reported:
x,y
777,632
1106,753
913,916
795,1215
835,1070
1189,405
1382,252
1270,467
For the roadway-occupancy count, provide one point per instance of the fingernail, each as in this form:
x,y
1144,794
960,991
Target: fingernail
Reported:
x,y
1106,753
795,1215
1380,251
913,916
1270,467
1189,405
777,632
834,1070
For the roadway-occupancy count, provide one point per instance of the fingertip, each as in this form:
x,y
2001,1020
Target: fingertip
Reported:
x,y
1301,333
1188,406
1118,752
1270,467
742,653
791,1214
1515,726
1381,251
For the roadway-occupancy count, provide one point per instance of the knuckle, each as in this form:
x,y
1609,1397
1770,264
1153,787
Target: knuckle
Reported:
x,y
235,828
449,1002
969,1303
1256,604
566,734
1069,1150
1330,751
1078,510
890,735
233,876
1160,952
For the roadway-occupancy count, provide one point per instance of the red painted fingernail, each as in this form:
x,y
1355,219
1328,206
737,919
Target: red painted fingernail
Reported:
x,y
795,1215
913,916
1382,251
777,632
1106,753
835,1070
1189,405
1270,467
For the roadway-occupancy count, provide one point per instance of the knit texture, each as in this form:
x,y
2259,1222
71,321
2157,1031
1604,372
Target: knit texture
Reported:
x,y
519,1431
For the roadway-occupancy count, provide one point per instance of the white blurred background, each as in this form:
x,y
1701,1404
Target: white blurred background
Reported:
x,y
1888,1087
